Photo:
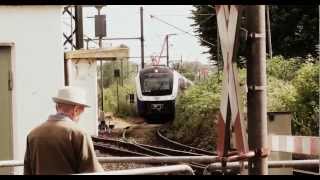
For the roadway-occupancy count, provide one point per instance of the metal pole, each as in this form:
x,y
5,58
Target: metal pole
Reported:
x,y
79,27
132,38
215,165
159,159
271,164
180,64
117,95
66,73
101,84
218,51
11,163
167,39
147,171
256,82
87,42
141,37
269,32
128,68
100,38
71,26
101,67
121,61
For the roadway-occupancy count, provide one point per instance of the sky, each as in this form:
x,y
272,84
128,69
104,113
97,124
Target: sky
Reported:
x,y
124,21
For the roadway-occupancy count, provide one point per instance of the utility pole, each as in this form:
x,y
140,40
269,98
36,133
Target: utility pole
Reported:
x,y
180,67
141,37
128,68
101,68
269,32
118,95
116,75
256,82
79,27
218,51
121,72
167,39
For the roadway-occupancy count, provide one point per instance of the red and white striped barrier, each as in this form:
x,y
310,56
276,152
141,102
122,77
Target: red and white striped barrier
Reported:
x,y
295,144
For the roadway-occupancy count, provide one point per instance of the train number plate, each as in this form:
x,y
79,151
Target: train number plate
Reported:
x,y
157,107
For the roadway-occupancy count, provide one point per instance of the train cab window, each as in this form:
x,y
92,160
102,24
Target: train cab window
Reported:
x,y
156,83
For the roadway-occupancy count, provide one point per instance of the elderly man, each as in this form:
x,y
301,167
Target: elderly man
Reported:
x,y
59,145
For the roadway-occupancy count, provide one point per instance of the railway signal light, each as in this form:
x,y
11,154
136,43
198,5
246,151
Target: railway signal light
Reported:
x,y
116,73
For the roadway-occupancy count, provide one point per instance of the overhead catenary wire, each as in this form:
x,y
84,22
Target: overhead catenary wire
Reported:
x,y
152,16
209,14
205,20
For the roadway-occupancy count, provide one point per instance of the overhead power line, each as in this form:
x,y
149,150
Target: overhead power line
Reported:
x,y
198,14
152,16
205,20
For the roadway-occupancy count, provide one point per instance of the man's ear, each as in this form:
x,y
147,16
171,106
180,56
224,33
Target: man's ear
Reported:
x,y
78,109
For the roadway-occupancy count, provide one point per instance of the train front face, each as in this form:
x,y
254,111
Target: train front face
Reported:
x,y
156,99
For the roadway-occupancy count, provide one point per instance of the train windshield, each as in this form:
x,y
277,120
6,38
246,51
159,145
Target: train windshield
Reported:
x,y
156,84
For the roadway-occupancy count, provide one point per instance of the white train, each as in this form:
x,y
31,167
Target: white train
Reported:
x,y
157,88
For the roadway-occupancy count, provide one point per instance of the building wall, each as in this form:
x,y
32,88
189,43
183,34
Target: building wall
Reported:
x,y
280,123
84,74
37,65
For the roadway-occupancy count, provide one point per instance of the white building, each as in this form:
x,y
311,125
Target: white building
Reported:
x,y
82,72
31,72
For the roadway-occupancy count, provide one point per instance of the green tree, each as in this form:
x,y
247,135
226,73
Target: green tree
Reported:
x,y
294,30
206,28
205,24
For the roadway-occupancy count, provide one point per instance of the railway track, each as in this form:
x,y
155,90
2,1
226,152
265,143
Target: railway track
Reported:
x,y
182,147
121,148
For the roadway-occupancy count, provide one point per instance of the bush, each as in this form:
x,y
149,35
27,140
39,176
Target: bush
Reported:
x,y
284,69
306,107
195,114
110,99
281,95
292,86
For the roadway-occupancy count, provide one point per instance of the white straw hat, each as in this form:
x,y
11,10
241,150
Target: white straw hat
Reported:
x,y
71,95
